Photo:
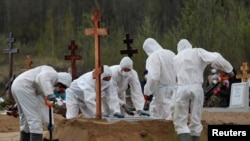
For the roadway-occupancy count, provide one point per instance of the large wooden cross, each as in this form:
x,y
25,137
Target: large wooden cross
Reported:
x,y
129,51
244,76
10,51
97,31
73,57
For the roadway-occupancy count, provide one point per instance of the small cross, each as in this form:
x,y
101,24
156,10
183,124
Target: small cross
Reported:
x,y
244,76
97,31
73,57
130,51
28,63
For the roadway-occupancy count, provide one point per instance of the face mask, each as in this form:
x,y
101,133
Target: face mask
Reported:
x,y
125,74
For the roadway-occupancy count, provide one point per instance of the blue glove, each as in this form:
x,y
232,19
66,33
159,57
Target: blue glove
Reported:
x,y
143,113
127,109
118,115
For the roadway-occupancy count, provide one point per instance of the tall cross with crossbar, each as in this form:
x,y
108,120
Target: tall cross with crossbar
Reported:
x,y
11,51
97,31
129,51
73,57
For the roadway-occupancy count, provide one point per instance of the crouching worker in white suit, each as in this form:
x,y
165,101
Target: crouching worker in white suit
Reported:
x,y
190,63
124,75
82,95
29,90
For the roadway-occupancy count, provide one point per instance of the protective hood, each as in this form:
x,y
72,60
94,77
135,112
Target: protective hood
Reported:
x,y
150,45
183,44
64,78
106,72
126,62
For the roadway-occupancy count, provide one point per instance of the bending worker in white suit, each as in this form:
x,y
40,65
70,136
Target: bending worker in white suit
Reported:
x,y
29,90
161,78
124,75
82,95
190,64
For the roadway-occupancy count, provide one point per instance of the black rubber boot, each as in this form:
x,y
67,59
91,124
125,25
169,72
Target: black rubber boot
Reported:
x,y
184,137
24,136
195,138
36,137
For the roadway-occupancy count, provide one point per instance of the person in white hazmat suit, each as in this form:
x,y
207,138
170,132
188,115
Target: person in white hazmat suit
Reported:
x,y
190,64
29,90
82,95
124,76
161,78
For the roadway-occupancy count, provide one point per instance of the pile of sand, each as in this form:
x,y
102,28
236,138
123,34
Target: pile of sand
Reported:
x,y
80,128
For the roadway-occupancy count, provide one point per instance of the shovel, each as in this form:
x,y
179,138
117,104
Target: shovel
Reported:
x,y
50,126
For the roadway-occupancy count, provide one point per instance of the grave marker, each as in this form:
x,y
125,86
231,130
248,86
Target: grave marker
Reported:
x,y
73,57
28,63
239,97
97,31
244,76
10,51
129,51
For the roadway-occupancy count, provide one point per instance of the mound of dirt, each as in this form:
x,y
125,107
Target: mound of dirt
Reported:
x,y
80,128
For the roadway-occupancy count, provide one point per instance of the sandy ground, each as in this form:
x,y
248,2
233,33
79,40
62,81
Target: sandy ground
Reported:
x,y
79,129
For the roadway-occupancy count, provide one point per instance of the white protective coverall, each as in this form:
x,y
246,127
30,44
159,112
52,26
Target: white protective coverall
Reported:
x,y
122,79
190,64
29,90
161,78
82,95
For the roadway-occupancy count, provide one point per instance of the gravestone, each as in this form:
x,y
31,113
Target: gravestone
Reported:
x,y
97,31
239,90
239,95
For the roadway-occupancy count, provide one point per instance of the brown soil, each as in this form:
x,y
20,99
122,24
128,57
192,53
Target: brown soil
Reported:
x,y
79,129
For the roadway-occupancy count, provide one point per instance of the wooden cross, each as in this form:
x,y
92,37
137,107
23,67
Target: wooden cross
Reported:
x,y
96,31
11,51
73,57
244,76
129,51
28,63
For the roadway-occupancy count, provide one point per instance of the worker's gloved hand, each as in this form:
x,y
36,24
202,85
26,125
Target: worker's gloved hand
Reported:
x,y
127,109
118,115
51,98
143,113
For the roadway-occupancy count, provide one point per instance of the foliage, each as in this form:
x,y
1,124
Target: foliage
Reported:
x,y
45,28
